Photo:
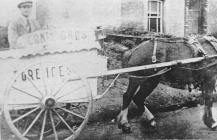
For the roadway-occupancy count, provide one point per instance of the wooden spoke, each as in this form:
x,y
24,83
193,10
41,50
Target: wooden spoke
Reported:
x,y
77,100
24,92
30,80
28,104
33,122
43,125
26,114
53,126
64,122
75,114
60,88
22,106
68,93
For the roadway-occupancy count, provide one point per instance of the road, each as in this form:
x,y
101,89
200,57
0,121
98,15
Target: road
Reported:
x,y
185,123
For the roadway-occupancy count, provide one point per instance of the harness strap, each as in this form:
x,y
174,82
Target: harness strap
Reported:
x,y
212,40
150,76
196,44
154,58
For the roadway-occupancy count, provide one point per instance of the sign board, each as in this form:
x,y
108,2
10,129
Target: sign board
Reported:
x,y
56,36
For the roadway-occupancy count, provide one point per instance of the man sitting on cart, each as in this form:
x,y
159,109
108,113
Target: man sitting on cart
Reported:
x,y
23,24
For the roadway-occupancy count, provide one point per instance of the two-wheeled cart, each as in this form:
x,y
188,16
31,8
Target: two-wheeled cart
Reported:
x,y
48,88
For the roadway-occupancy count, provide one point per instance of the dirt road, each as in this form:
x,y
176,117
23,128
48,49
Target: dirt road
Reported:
x,y
180,124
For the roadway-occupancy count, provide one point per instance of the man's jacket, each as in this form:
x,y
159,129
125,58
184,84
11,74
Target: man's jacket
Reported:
x,y
20,27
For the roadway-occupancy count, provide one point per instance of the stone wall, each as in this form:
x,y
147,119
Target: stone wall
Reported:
x,y
132,13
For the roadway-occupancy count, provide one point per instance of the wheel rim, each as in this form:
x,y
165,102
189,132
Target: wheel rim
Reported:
x,y
48,108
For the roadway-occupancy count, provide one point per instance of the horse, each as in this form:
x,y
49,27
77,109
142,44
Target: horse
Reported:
x,y
141,83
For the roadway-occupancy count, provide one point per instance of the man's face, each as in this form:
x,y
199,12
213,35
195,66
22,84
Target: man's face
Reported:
x,y
26,10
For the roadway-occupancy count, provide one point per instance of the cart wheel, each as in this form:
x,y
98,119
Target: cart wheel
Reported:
x,y
47,98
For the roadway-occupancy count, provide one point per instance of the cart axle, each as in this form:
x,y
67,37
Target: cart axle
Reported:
x,y
48,102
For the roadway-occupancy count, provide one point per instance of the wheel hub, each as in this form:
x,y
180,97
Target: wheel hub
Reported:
x,y
49,102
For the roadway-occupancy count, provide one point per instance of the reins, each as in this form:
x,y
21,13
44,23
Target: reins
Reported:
x,y
205,67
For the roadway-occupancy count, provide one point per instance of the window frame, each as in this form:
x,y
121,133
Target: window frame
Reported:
x,y
158,15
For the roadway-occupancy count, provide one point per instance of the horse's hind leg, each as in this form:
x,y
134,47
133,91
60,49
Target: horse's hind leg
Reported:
x,y
208,88
127,98
145,90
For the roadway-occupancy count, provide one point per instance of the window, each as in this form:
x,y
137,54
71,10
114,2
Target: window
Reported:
x,y
195,17
155,16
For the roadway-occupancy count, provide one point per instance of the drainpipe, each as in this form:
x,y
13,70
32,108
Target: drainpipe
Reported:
x,y
186,28
204,13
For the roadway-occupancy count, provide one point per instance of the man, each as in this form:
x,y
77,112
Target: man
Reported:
x,y
23,24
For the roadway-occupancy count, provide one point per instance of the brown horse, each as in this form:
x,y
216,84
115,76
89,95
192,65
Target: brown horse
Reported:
x,y
201,74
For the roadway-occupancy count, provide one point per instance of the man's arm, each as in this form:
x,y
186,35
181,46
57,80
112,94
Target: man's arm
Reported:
x,y
12,34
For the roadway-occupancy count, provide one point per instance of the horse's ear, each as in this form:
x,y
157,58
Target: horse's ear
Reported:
x,y
119,48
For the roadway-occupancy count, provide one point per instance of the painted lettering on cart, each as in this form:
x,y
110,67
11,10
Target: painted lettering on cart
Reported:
x,y
37,73
42,37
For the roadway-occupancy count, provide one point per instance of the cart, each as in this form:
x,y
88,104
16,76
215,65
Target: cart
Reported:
x,y
50,86
35,81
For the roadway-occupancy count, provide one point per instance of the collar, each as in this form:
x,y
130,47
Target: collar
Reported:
x,y
24,19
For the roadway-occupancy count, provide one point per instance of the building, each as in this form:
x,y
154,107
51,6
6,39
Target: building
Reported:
x,y
177,17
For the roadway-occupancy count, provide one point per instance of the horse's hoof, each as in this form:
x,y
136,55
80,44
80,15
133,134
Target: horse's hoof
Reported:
x,y
125,127
210,122
152,123
214,126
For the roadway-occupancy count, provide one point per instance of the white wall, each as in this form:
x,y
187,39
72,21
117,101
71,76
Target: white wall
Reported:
x,y
107,12
79,13
9,11
174,17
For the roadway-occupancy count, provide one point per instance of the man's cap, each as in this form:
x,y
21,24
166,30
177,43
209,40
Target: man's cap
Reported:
x,y
24,3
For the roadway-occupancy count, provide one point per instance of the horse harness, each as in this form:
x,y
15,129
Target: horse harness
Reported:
x,y
196,46
193,42
212,40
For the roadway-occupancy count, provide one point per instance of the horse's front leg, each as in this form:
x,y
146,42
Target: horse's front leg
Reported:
x,y
127,98
208,89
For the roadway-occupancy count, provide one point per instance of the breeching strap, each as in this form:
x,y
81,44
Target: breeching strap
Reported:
x,y
154,59
150,76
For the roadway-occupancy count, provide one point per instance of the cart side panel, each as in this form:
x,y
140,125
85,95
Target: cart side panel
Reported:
x,y
83,62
